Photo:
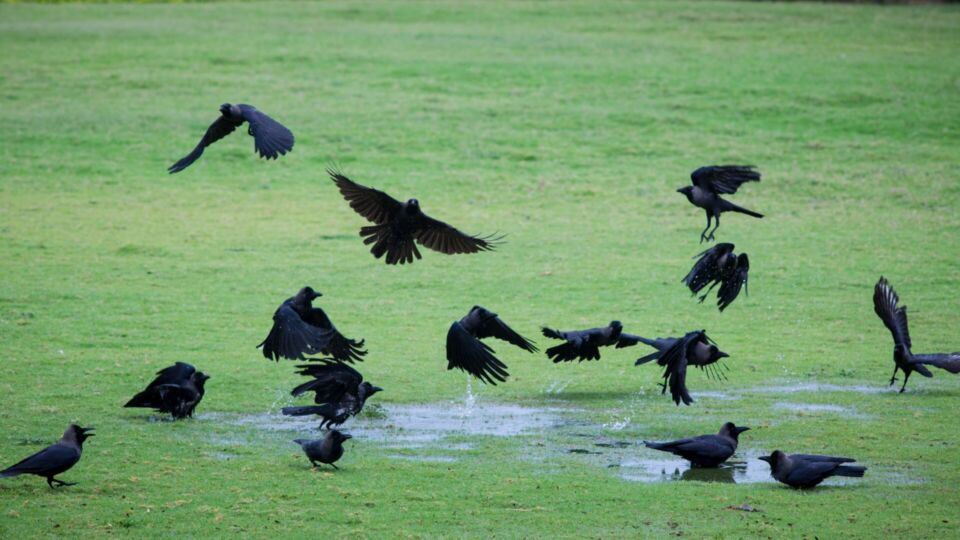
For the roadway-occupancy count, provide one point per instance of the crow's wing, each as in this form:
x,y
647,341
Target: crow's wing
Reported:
x,y
271,139
220,128
340,347
708,446
291,337
810,472
947,361
441,237
331,380
57,456
373,204
885,301
674,360
818,457
731,286
181,371
494,327
724,178
473,356
706,269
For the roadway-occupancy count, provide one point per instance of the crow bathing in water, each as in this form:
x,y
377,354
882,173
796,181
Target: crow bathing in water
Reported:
x,y
299,329
705,450
54,459
177,390
804,471
339,392
709,183
719,265
465,350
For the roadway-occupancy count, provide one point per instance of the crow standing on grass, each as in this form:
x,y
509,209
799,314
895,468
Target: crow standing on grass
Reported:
x,y
804,471
396,225
177,390
54,459
705,450
326,450
465,350
339,392
299,329
270,138
719,265
585,344
675,354
885,301
709,183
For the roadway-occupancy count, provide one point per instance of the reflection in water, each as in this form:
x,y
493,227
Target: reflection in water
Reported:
x,y
736,472
722,474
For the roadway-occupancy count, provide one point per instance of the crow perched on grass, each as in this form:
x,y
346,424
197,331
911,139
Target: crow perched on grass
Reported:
x,y
719,265
397,225
270,138
177,390
339,392
585,344
465,350
299,329
885,301
675,354
804,471
709,183
705,450
54,459
326,450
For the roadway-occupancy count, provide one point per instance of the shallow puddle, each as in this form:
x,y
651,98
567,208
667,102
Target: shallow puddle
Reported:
x,y
815,388
848,412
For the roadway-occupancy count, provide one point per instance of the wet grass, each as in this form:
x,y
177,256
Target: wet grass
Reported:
x,y
567,126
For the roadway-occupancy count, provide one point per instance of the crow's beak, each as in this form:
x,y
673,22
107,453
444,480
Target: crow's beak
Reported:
x,y
680,190
764,458
347,436
317,294
86,431
377,389
741,429
721,354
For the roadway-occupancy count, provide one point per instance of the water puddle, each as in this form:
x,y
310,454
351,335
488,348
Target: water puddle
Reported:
x,y
818,408
816,388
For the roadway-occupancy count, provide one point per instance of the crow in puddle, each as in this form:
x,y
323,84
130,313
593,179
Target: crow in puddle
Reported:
x,y
705,450
675,354
339,392
585,344
54,459
719,265
885,301
299,329
396,225
177,390
804,471
270,138
711,182
465,350
326,450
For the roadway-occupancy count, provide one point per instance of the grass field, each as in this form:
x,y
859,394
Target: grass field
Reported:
x,y
567,126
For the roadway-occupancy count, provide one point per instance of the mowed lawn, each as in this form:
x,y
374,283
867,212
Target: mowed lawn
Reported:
x,y
566,125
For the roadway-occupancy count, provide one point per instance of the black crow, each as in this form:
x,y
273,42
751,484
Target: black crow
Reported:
x,y
675,354
895,318
719,265
340,392
177,390
465,350
326,450
54,459
710,182
270,138
299,329
585,344
705,450
805,471
397,225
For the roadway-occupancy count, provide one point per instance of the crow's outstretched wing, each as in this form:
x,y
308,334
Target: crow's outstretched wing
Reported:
x,y
331,380
674,360
724,178
731,286
494,327
706,269
885,301
220,128
291,337
339,346
271,139
947,361
469,354
373,204
441,237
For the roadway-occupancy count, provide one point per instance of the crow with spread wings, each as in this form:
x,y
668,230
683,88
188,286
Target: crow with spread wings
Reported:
x,y
675,354
299,329
339,392
719,265
711,182
585,344
465,351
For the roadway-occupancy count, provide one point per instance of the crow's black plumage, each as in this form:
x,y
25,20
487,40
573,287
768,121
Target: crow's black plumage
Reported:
x,y
804,471
585,344
705,450
885,302
300,329
398,227
54,459
339,392
709,183
719,265
270,138
465,350
675,354
177,390
326,450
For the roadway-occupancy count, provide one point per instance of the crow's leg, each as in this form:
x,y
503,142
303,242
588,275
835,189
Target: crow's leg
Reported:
x,y
906,375
715,227
893,378
703,234
59,483
334,466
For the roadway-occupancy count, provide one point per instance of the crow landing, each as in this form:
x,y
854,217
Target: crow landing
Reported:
x,y
709,183
465,351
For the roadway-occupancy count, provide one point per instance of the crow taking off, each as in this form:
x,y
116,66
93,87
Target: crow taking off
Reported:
x,y
675,354
804,471
705,450
54,459
326,450
895,318
719,265
585,344
270,138
465,350
299,329
397,225
709,183
177,390
339,392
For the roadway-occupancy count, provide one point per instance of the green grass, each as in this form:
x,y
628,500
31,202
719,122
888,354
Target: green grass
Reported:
x,y
566,125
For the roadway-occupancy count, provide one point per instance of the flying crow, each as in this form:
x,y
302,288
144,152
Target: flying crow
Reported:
x,y
709,183
465,350
339,392
299,329
719,265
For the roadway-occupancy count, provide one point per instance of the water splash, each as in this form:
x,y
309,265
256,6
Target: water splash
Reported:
x,y
470,400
